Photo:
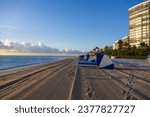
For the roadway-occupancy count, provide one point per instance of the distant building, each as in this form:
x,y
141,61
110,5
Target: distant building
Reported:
x,y
125,39
115,45
118,45
139,24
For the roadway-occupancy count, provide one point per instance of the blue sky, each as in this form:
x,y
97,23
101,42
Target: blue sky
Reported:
x,y
74,24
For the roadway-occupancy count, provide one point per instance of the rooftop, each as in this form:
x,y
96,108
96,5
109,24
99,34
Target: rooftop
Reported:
x,y
138,5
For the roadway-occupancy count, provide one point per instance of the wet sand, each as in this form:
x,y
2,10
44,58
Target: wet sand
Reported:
x,y
65,80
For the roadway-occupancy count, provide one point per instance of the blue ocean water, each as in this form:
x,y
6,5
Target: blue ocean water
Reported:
x,y
9,62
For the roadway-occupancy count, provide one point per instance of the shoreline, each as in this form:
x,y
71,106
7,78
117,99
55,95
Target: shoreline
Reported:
x,y
9,71
28,65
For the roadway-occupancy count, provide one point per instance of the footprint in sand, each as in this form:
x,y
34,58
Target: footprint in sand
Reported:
x,y
70,73
90,91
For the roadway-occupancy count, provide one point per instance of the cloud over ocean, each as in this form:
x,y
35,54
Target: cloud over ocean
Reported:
x,y
40,47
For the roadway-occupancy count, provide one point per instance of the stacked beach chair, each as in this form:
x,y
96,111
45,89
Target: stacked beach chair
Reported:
x,y
102,60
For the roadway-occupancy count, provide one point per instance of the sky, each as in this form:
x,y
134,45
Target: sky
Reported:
x,y
69,25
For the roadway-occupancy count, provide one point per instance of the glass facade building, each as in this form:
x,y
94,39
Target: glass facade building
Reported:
x,y
139,24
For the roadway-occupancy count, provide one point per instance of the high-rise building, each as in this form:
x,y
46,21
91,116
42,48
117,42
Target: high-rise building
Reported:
x,y
139,24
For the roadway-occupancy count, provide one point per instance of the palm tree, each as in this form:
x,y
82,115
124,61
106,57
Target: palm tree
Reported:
x,y
96,49
143,44
126,45
120,42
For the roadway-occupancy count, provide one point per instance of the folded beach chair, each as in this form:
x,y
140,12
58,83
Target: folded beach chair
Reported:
x,y
87,60
87,57
103,61
81,57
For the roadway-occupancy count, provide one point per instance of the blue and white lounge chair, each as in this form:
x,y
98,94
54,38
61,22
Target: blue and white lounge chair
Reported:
x,y
103,61
86,60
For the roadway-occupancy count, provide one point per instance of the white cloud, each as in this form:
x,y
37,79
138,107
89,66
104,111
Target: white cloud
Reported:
x,y
40,44
39,48
8,43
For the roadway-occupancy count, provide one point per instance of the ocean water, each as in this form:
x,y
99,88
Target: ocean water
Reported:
x,y
10,62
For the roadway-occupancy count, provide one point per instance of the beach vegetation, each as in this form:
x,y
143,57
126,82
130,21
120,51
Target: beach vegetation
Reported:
x,y
128,51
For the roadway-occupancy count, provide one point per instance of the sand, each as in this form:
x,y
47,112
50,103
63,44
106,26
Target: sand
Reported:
x,y
65,80
49,81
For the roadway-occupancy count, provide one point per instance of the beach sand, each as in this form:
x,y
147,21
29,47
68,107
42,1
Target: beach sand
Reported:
x,y
65,80
49,81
